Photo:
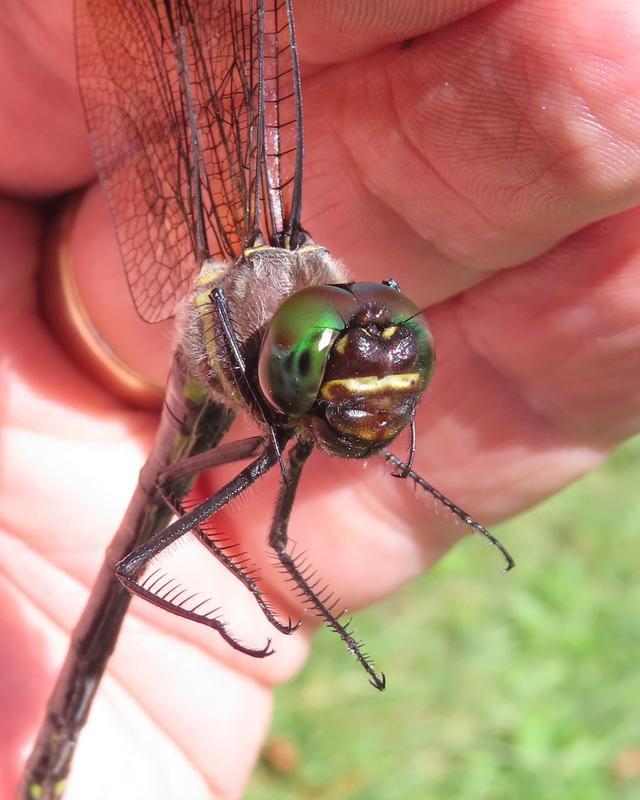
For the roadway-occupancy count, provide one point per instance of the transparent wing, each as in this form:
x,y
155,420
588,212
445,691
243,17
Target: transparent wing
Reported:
x,y
193,108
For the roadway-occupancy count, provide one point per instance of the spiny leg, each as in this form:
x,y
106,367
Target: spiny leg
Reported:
x,y
130,568
223,454
297,573
466,518
216,457
221,308
404,472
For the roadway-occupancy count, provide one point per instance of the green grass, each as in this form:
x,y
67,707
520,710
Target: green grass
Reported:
x,y
522,687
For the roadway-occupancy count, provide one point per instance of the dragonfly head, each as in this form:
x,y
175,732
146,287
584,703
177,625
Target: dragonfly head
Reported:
x,y
351,361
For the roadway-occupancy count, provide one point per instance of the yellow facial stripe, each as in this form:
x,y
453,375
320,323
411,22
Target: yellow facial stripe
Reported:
x,y
369,385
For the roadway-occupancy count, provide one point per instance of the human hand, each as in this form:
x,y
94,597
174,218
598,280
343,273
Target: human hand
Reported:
x,y
491,183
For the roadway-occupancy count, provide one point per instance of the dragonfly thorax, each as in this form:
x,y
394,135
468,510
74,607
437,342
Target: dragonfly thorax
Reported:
x,y
255,286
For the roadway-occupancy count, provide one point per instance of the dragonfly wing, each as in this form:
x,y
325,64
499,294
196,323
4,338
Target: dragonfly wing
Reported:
x,y
194,116
282,127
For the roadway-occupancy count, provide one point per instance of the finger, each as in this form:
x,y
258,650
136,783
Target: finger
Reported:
x,y
331,30
563,332
552,351
536,380
480,146
43,144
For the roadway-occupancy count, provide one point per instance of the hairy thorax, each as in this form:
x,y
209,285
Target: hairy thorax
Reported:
x,y
254,287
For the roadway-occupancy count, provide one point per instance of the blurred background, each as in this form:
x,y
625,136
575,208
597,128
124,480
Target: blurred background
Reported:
x,y
518,686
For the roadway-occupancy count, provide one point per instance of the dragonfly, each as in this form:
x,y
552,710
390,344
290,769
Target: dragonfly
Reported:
x,y
194,110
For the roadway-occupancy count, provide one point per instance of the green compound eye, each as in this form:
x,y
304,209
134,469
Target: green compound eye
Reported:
x,y
297,345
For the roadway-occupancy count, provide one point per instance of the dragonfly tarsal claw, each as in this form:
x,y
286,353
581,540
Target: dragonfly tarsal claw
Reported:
x,y
379,682
292,626
287,627
267,650
510,562
262,652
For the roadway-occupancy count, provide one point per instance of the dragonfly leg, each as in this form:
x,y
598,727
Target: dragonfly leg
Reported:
x,y
406,469
297,571
215,457
407,472
221,306
223,454
245,576
165,594
169,482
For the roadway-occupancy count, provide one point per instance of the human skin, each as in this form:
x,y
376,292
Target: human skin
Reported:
x,y
491,165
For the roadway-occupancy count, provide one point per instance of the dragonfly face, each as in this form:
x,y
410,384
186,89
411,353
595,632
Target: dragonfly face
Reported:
x,y
351,361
